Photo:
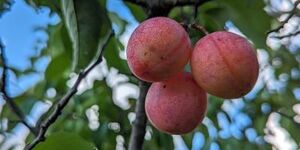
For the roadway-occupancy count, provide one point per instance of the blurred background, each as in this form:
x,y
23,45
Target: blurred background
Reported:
x,y
41,52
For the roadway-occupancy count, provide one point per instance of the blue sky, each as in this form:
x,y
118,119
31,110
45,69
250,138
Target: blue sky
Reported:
x,y
22,41
18,31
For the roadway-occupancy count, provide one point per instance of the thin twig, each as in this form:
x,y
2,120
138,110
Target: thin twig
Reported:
x,y
286,20
188,2
65,99
200,28
196,9
168,3
14,108
287,35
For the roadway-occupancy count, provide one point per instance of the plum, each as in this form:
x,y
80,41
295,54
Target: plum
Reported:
x,y
224,64
176,105
157,49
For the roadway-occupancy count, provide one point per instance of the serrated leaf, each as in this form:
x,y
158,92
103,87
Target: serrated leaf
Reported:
x,y
63,140
86,22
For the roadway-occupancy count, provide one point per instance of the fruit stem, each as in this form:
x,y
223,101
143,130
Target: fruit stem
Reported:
x,y
200,28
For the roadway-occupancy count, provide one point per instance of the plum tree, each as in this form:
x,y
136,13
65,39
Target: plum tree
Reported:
x,y
157,49
224,64
176,105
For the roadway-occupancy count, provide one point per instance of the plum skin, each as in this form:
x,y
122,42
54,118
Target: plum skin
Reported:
x,y
176,105
157,49
224,64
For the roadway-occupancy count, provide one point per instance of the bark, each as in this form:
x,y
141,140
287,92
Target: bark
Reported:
x,y
139,125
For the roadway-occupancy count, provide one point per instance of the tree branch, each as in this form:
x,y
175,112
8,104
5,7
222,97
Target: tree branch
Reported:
x,y
286,20
287,35
162,4
200,28
137,2
196,3
65,99
14,108
162,8
139,125
155,8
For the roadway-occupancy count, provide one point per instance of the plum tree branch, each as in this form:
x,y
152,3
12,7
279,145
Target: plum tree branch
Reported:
x,y
14,108
58,108
286,20
137,2
188,2
287,35
139,125
200,28
166,3
162,8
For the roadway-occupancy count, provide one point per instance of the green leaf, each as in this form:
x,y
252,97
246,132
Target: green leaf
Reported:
x,y
63,140
59,42
86,22
5,5
118,21
60,50
214,106
51,4
292,127
136,11
233,143
159,141
188,139
288,61
260,124
241,13
113,59
57,67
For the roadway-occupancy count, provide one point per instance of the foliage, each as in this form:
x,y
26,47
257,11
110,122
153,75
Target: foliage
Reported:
x,y
75,41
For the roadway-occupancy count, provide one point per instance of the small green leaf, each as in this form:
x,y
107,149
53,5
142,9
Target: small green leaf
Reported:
x,y
57,67
118,21
137,12
59,49
113,59
51,4
292,127
260,124
5,5
64,140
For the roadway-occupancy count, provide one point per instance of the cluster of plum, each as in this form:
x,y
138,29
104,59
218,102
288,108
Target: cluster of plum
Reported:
x,y
222,64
